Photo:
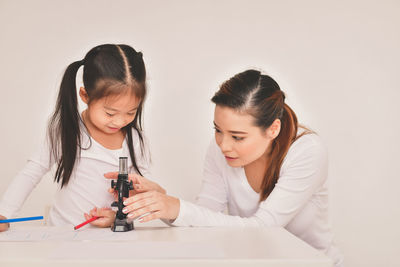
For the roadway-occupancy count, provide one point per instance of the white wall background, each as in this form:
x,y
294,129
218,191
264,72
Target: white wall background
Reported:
x,y
338,62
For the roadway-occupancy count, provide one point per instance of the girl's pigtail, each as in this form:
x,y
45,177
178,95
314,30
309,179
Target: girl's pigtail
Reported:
x,y
64,130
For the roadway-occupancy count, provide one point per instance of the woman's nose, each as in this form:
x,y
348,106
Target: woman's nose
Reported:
x,y
225,145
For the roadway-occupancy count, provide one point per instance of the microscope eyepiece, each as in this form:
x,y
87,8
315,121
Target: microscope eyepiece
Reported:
x,y
123,165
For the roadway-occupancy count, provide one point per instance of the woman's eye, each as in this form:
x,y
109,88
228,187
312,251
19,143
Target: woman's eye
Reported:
x,y
216,130
237,138
131,114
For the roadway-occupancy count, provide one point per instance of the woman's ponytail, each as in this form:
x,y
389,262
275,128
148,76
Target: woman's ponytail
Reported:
x,y
279,148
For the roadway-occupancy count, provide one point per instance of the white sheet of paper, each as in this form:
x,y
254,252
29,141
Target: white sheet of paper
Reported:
x,y
65,233
102,243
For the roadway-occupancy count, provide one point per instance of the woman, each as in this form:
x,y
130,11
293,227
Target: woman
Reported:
x,y
263,168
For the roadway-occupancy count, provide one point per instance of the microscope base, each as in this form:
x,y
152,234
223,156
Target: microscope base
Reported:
x,y
122,225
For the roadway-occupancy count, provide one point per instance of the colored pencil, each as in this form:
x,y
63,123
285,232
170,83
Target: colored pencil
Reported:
x,y
22,219
85,222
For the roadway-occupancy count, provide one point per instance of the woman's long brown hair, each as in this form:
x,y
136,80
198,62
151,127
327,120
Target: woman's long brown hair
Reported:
x,y
260,96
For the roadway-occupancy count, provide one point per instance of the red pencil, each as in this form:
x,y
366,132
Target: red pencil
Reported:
x,y
86,222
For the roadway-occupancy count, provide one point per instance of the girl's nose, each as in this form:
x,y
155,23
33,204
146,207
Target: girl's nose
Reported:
x,y
119,121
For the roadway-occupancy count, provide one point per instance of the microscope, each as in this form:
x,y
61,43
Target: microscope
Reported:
x,y
122,186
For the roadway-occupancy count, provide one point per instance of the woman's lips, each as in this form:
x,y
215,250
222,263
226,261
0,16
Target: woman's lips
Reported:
x,y
229,158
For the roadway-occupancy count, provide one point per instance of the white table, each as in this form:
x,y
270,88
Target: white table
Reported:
x,y
156,246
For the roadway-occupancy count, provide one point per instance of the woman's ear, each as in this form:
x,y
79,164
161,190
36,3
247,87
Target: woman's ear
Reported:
x,y
274,129
83,94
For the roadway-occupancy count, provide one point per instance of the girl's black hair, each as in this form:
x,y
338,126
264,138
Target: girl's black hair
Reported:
x,y
108,69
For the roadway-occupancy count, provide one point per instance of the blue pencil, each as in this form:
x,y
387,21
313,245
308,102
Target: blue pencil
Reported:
x,y
22,219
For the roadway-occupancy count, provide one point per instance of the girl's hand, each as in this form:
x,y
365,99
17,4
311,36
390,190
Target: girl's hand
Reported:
x,y
140,184
106,217
159,205
4,226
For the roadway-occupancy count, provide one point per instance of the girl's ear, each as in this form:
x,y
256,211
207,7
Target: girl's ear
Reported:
x,y
84,96
274,129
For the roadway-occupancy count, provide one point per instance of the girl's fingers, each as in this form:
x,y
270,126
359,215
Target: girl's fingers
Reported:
x,y
96,223
3,226
111,175
87,216
140,179
105,213
144,185
93,212
134,178
140,188
114,193
102,212
106,217
102,222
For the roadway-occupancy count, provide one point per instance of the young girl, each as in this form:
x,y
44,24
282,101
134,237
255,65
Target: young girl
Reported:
x,y
84,146
262,168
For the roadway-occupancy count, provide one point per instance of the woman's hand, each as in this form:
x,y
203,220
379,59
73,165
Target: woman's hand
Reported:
x,y
4,226
140,184
106,217
159,205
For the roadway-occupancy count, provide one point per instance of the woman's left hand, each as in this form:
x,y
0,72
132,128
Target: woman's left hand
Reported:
x,y
159,205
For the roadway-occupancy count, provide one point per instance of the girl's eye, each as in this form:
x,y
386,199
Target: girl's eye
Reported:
x,y
237,138
216,130
109,114
131,114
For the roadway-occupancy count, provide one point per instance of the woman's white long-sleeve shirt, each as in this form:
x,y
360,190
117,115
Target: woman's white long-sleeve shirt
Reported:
x,y
299,201
87,187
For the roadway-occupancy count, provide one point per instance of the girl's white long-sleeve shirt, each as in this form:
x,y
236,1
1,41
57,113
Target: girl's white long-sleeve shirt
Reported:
x,y
87,187
299,201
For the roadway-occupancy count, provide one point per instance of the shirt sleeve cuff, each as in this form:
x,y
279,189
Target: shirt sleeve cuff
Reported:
x,y
180,220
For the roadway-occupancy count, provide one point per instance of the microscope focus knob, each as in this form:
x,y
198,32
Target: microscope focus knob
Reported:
x,y
130,185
